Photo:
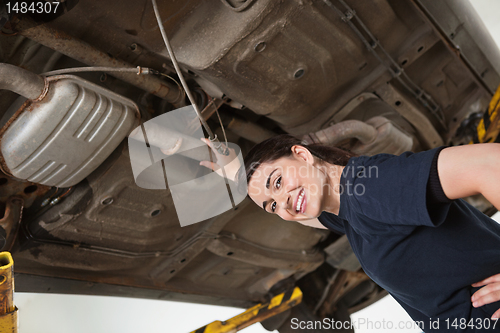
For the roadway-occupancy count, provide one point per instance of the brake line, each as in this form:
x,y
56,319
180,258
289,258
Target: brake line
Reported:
x,y
139,70
211,136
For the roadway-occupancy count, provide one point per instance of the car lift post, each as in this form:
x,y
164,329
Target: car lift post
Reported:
x,y
255,314
8,312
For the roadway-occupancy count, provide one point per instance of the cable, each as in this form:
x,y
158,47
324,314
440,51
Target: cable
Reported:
x,y
178,85
222,126
137,70
211,135
55,201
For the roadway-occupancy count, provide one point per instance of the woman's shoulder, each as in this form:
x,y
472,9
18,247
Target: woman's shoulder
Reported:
x,y
387,188
394,160
384,169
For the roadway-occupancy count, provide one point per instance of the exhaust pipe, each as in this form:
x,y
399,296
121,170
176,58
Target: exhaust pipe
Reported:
x,y
22,82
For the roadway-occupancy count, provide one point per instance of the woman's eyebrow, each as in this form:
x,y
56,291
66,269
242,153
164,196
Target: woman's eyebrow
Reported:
x,y
264,204
269,178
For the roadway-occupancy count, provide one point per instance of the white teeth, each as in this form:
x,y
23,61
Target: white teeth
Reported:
x,y
299,201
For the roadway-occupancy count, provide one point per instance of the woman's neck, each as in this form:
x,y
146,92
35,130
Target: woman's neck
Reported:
x,y
332,190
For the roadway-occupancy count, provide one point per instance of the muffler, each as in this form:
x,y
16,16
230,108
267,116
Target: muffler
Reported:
x,y
64,130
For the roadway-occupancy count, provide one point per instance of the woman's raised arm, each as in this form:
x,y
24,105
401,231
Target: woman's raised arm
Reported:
x,y
471,169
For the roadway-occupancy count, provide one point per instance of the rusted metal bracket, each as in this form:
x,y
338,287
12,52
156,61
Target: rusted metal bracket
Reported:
x,y
10,222
429,136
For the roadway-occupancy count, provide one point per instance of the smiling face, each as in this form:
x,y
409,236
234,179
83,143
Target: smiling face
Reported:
x,y
292,187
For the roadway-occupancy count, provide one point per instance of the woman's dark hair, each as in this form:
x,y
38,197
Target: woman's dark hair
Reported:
x,y
280,146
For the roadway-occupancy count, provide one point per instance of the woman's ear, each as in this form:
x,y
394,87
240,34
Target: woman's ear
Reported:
x,y
303,154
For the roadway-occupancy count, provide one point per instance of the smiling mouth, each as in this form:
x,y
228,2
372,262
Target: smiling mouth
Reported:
x,y
301,202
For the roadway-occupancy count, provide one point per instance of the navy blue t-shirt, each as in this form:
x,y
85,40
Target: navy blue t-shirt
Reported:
x,y
426,259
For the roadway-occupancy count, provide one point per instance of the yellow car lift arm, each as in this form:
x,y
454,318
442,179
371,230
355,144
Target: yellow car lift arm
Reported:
x,y
488,129
255,314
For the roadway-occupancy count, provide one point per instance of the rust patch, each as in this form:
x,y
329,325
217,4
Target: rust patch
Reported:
x,y
11,220
44,92
13,187
29,106
3,165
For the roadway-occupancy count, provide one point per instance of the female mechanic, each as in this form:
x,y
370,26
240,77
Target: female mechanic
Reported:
x,y
403,216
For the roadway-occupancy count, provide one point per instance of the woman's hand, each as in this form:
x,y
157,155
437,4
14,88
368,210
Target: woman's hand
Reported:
x,y
230,163
488,294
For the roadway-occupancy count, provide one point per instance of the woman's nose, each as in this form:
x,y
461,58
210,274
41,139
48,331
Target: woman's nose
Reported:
x,y
284,201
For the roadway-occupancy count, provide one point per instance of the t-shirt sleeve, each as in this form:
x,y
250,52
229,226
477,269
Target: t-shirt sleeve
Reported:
x,y
393,189
435,193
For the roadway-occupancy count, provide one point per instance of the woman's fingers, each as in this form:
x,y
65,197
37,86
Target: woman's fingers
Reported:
x,y
210,165
490,293
229,162
496,315
486,295
494,278
206,141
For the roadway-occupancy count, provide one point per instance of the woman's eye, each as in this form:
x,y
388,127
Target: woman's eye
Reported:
x,y
273,207
278,182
